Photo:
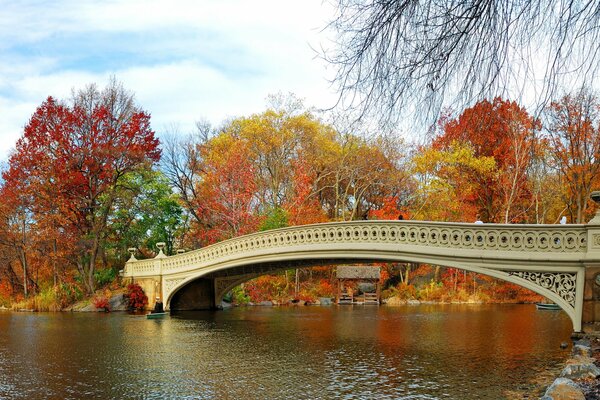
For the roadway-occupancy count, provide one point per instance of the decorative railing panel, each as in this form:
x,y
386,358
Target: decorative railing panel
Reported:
x,y
452,236
563,284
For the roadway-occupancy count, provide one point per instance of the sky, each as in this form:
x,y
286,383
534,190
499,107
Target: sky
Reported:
x,y
184,60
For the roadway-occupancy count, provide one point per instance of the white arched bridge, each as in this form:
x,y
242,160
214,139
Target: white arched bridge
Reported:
x,y
560,262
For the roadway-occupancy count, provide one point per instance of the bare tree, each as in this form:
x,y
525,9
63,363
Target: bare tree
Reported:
x,y
401,57
182,163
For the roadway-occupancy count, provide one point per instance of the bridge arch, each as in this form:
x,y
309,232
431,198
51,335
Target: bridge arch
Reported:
x,y
548,259
552,290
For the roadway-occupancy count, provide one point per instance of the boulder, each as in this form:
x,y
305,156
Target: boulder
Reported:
x,y
325,301
581,350
563,389
366,287
266,303
118,302
579,370
583,342
89,308
225,304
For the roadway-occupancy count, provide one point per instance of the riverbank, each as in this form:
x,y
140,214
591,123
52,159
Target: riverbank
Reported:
x,y
53,300
580,377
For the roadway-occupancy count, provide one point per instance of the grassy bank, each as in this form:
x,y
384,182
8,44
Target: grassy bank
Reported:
x,y
63,297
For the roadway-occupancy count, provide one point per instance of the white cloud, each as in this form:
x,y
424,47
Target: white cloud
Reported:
x,y
183,59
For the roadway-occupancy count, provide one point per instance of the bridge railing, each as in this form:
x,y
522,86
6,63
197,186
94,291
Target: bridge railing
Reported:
x,y
538,240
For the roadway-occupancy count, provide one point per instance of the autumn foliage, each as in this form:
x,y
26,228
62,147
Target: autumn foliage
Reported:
x,y
135,296
84,184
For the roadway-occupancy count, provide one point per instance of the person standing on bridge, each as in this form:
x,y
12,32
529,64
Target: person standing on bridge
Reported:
x,y
478,219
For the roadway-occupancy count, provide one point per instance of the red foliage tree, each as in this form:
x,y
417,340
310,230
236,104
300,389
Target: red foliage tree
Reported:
x,y
70,162
303,206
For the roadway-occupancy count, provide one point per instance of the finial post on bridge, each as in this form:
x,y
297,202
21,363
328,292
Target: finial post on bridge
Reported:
x,y
132,251
596,197
160,246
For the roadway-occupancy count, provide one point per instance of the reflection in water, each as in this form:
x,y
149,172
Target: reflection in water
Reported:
x,y
426,352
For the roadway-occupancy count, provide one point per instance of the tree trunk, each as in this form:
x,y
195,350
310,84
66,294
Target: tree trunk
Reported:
x,y
297,287
23,260
87,267
54,272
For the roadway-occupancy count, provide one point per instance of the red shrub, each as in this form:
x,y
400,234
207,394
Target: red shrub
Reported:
x,y
136,298
101,303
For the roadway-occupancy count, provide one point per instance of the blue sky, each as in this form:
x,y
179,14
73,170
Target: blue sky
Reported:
x,y
184,60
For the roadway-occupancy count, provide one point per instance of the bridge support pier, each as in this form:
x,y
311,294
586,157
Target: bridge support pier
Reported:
x,y
591,299
152,286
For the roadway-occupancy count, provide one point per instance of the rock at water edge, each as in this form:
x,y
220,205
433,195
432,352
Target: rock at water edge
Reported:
x,y
563,389
580,370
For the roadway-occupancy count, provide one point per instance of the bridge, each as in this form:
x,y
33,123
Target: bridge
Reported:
x,y
560,262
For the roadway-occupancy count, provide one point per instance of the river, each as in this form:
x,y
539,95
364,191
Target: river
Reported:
x,y
308,352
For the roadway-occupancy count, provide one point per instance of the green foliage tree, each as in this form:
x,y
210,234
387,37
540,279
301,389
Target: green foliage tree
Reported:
x,y
148,212
275,218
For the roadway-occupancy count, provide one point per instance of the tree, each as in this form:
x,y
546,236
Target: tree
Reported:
x,y
396,57
15,236
227,192
506,132
357,175
146,213
275,139
574,133
72,159
448,186
182,164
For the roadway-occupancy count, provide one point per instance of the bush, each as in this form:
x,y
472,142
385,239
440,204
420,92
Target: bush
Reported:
x,y
324,289
136,298
433,291
306,296
101,302
401,291
239,296
4,301
267,287
47,300
68,293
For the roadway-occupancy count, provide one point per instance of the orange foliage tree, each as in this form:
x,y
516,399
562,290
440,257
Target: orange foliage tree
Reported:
x,y
574,132
504,131
71,161
227,190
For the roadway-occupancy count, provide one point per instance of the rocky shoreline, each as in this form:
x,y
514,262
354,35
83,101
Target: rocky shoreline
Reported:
x,y
579,379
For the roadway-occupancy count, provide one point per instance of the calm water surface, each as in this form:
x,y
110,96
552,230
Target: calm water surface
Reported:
x,y
412,352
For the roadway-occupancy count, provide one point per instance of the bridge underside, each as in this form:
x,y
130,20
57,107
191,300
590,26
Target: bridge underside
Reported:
x,y
205,292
